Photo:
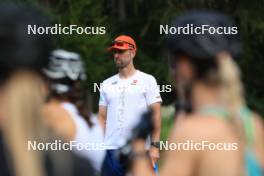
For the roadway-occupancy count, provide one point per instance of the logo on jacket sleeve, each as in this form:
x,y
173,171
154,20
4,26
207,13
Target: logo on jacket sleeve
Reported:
x,y
113,83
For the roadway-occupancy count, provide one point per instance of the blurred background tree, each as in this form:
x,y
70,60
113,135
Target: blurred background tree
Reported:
x,y
141,20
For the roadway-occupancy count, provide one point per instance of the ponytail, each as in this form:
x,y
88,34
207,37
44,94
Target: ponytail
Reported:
x,y
232,90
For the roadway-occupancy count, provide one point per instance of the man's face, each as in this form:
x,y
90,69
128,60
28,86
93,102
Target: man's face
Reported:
x,y
123,58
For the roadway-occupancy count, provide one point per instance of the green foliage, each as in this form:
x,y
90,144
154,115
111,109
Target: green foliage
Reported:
x,y
141,20
167,124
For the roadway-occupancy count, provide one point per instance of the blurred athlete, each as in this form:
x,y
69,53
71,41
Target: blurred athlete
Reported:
x,y
22,93
66,111
207,78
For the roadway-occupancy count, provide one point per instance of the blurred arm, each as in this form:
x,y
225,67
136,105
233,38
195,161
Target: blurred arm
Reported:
x,y
155,107
155,136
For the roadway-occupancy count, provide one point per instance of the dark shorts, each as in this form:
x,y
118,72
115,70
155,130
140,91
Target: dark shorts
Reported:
x,y
111,166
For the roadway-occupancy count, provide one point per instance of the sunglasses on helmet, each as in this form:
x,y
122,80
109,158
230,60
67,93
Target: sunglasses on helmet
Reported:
x,y
122,44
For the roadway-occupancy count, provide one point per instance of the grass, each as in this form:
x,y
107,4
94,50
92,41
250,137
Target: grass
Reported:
x,y
167,123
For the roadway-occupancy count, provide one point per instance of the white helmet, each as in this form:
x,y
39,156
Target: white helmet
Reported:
x,y
65,64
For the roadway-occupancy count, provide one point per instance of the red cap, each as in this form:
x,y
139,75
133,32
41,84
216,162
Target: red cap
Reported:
x,y
123,42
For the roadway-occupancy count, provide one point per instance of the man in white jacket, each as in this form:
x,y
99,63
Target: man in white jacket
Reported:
x,y
124,97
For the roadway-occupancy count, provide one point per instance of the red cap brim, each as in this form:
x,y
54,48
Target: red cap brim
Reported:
x,y
117,47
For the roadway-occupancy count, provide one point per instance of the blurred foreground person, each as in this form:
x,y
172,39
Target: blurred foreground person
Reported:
x,y
22,93
67,112
227,138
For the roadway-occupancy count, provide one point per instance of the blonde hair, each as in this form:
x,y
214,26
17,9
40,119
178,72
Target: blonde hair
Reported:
x,y
232,90
24,122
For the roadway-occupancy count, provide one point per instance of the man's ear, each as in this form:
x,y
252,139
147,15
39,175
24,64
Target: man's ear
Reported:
x,y
133,52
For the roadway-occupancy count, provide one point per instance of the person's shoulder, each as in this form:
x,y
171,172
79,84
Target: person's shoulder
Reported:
x,y
52,110
59,120
198,126
257,119
258,125
110,79
146,76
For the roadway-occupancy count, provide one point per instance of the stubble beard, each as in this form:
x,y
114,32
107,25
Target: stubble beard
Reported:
x,y
121,64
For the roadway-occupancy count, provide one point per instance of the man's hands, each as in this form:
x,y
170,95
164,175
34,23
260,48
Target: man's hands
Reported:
x,y
154,155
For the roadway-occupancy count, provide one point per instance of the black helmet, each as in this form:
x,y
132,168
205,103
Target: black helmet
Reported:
x,y
206,45
18,49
